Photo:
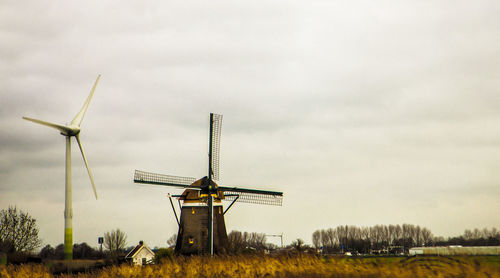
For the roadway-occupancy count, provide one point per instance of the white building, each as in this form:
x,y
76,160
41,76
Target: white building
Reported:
x,y
141,255
456,250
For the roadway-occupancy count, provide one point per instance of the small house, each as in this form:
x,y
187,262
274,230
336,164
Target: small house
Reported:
x,y
140,255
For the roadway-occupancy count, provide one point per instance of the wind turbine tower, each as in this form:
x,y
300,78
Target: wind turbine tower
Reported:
x,y
71,130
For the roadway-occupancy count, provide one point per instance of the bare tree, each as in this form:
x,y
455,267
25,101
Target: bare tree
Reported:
x,y
376,235
384,233
325,239
115,240
329,238
316,239
236,241
418,236
467,235
172,241
426,236
255,240
398,233
342,235
494,233
485,233
476,234
18,231
365,234
392,234
298,244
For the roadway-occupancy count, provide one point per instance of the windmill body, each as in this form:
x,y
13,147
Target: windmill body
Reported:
x,y
193,233
71,130
202,228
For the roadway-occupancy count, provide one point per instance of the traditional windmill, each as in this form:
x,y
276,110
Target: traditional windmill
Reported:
x,y
201,226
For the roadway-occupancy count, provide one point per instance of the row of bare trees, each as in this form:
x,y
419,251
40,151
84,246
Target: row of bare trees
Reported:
x,y
114,242
476,237
364,239
481,234
240,242
19,235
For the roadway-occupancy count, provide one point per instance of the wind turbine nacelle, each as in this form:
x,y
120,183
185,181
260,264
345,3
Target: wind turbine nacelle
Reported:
x,y
71,130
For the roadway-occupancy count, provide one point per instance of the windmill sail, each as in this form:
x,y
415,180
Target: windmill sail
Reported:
x,y
160,179
215,145
252,196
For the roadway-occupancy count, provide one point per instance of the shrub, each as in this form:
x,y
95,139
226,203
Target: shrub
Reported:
x,y
163,253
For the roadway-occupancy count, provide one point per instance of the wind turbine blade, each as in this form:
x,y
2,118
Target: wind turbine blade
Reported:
x,y
86,164
61,128
79,117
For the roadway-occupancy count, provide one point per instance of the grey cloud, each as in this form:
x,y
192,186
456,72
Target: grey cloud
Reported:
x,y
370,105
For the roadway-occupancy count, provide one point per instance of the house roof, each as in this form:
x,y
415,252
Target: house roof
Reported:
x,y
137,249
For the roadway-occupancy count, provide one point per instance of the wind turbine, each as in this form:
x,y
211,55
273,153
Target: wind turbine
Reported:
x,y
71,130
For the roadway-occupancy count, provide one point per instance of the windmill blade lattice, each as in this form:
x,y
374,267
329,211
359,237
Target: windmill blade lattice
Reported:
x,y
160,179
260,197
216,131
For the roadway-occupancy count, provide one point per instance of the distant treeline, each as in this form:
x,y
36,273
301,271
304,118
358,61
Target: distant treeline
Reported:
x,y
394,238
244,241
80,251
476,237
365,239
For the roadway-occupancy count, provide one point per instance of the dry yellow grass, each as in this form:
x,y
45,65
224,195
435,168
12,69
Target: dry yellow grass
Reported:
x,y
289,266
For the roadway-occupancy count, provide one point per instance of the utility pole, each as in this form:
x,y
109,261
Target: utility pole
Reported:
x,y
210,191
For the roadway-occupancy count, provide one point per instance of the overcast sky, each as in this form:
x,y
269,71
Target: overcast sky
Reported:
x,y
361,112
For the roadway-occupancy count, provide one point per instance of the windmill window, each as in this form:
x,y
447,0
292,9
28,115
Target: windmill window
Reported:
x,y
191,240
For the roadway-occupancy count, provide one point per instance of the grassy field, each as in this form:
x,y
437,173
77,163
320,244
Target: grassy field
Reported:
x,y
288,266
